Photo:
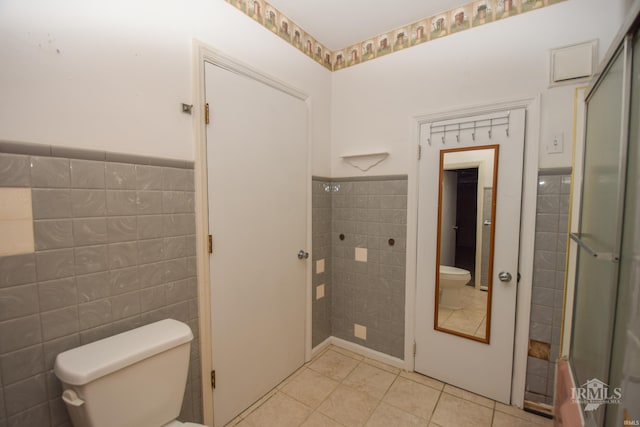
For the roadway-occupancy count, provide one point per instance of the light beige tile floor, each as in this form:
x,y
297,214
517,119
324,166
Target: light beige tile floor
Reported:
x,y
471,317
339,388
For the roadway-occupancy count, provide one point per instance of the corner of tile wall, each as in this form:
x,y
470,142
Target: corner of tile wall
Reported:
x,y
367,249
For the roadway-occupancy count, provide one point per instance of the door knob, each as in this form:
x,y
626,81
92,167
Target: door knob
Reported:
x,y
504,276
302,254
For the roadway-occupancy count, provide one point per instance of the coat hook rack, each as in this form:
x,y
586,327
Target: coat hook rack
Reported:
x,y
465,127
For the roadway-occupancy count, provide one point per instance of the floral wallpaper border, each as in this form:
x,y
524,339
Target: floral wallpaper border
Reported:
x,y
470,15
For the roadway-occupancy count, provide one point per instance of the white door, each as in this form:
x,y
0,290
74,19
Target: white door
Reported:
x,y
461,358
258,186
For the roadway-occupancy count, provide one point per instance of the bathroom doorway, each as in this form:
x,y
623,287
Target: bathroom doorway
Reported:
x,y
453,320
466,220
258,182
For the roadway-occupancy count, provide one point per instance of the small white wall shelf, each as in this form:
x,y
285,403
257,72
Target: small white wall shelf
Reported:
x,y
365,161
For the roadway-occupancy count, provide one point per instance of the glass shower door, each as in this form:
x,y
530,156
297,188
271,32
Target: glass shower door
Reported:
x,y
600,226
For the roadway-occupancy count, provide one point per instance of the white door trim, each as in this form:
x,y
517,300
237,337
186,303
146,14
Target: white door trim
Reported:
x,y
203,53
527,232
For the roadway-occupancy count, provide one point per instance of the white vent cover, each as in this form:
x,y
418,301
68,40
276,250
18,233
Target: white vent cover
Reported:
x,y
571,63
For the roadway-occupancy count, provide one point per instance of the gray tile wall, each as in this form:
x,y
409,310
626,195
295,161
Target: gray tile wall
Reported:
x,y
369,213
548,280
321,250
115,249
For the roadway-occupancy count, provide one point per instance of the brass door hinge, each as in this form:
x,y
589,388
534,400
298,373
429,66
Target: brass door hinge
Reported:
x,y
213,379
210,244
206,113
415,348
419,151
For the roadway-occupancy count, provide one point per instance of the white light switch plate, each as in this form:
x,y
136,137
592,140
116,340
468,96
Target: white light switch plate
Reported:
x,y
556,145
361,254
320,266
320,291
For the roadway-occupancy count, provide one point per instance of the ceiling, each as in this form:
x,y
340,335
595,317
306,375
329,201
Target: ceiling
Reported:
x,y
340,23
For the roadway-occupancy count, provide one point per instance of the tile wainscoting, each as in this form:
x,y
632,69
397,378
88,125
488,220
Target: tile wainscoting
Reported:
x,y
552,216
114,250
360,232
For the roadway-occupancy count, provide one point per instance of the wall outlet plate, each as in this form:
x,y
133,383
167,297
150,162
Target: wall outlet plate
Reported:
x,y
320,291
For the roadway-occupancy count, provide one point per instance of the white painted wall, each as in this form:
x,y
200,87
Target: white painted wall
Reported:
x,y
374,102
111,75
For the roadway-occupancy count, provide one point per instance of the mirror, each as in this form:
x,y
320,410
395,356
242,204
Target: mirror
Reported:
x,y
466,224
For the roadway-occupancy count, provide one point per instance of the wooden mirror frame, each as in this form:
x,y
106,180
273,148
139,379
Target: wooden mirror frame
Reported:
x,y
487,337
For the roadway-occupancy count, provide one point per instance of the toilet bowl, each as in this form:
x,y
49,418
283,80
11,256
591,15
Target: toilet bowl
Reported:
x,y
136,378
451,282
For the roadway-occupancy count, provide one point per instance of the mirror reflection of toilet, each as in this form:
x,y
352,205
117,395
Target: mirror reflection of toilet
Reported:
x,y
136,378
451,282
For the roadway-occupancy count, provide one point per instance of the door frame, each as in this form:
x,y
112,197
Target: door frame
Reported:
x,y
202,53
527,230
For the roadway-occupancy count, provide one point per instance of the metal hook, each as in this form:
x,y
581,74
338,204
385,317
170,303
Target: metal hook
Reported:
x,y
458,135
443,139
507,130
489,133
429,141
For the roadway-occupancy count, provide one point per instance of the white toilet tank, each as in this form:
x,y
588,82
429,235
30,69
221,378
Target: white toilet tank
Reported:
x,y
136,378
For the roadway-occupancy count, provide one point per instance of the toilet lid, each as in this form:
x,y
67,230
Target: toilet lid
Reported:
x,y
447,269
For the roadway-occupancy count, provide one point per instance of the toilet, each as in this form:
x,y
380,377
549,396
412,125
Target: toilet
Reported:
x,y
451,282
136,378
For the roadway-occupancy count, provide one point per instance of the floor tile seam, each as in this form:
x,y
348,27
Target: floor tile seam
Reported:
x,y
349,354
401,409
296,400
372,362
404,411
312,410
372,411
426,385
323,351
342,383
319,404
328,416
435,407
364,392
258,404
469,401
350,370
322,403
493,407
332,391
493,414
